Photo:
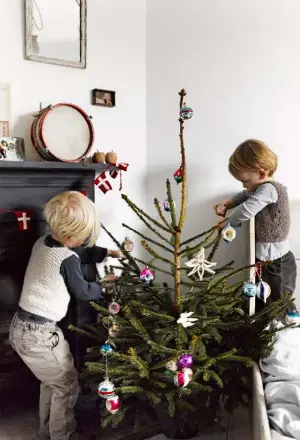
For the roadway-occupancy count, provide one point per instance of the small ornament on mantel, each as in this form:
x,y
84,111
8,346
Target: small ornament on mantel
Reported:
x,y
111,158
98,157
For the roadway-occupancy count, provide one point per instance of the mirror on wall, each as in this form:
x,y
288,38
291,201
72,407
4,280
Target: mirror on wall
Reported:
x,y
56,32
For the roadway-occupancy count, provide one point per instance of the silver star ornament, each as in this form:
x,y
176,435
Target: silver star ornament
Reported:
x,y
200,265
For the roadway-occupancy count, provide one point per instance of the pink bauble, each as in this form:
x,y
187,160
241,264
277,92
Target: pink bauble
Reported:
x,y
113,404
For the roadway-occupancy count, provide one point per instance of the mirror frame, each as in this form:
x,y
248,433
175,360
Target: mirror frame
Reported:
x,y
30,55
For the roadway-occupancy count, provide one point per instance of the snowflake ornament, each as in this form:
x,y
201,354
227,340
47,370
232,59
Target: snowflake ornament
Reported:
x,y
185,319
200,265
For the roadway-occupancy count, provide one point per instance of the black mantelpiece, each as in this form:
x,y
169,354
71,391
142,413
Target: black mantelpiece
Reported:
x,y
28,186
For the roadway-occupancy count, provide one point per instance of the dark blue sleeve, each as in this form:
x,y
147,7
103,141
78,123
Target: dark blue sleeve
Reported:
x,y
92,255
71,272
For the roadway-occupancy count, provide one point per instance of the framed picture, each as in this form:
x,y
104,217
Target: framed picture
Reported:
x,y
12,148
106,98
4,128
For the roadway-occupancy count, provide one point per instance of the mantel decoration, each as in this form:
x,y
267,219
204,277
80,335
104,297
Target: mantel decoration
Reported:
x,y
106,98
11,148
62,132
48,39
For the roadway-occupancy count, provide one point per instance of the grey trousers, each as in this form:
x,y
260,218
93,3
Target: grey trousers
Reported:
x,y
45,351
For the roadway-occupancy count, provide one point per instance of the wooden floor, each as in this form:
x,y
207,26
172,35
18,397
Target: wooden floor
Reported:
x,y
23,425
238,429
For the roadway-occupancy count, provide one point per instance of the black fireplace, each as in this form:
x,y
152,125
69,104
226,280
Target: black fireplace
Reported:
x,y
28,186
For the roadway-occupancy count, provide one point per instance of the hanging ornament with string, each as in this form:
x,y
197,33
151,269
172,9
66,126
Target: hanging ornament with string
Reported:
x,y
186,112
166,205
263,288
127,245
178,175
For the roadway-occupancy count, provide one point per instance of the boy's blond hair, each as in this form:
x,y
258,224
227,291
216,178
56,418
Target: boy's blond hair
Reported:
x,y
252,155
71,214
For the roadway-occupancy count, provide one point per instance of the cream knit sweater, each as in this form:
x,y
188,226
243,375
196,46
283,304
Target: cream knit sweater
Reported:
x,y
44,290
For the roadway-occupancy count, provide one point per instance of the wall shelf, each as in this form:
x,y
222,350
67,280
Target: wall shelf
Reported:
x,y
43,165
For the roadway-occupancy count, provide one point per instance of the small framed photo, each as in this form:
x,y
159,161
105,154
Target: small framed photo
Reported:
x,y
106,98
4,128
12,148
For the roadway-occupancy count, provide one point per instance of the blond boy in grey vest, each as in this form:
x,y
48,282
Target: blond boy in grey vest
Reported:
x,y
53,274
254,165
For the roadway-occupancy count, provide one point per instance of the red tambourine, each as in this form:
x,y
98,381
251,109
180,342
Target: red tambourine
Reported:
x,y
62,133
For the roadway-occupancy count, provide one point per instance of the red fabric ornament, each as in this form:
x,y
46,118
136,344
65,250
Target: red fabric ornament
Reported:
x,y
23,220
102,182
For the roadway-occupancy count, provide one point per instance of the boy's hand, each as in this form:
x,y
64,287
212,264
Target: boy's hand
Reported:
x,y
115,254
220,209
111,278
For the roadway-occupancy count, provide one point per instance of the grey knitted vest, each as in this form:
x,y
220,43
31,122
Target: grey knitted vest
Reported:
x,y
272,224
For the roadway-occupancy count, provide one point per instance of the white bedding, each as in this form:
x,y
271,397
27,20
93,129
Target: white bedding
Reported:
x,y
281,376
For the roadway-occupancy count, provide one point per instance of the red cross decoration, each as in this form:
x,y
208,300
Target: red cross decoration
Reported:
x,y
23,220
103,183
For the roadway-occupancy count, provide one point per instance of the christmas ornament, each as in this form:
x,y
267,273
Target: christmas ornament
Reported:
x,y
263,291
106,348
111,158
228,233
185,361
147,275
171,365
98,157
127,245
167,206
221,209
249,289
185,319
114,308
189,372
186,112
113,404
200,265
178,175
114,330
181,379
106,389
293,318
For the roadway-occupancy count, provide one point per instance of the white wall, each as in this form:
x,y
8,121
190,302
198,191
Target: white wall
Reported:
x,y
116,61
239,61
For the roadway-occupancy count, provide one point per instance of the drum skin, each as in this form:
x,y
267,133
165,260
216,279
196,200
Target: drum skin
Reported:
x,y
62,133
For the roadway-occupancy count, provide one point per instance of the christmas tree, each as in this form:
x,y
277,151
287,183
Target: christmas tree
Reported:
x,y
189,346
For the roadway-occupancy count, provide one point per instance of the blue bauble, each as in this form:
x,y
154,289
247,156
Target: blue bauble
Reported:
x,y
249,289
106,348
186,112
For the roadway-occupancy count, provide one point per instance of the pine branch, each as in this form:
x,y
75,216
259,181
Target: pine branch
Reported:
x,y
83,332
216,282
184,243
158,208
172,403
155,254
136,323
128,256
147,238
200,245
140,213
154,267
138,363
170,199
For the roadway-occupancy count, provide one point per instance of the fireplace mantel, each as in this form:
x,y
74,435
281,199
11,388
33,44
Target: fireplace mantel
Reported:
x,y
28,186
